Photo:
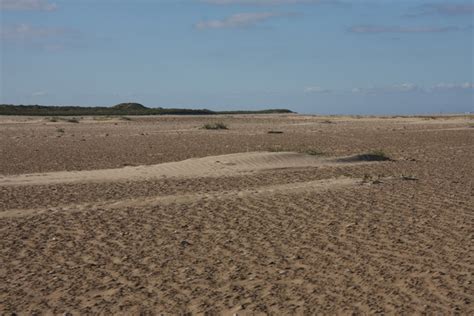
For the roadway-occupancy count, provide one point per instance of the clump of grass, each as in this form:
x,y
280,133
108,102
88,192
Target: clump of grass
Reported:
x,y
125,118
327,122
214,126
60,130
314,152
276,149
375,155
275,132
52,119
72,120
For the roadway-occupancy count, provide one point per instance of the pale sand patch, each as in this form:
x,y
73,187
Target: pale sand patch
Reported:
x,y
212,166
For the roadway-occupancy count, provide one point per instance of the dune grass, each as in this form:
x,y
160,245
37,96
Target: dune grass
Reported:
x,y
215,126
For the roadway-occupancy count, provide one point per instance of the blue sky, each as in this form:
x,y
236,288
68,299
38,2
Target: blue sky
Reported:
x,y
312,56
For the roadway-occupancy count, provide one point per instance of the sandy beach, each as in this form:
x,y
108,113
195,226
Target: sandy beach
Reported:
x,y
278,214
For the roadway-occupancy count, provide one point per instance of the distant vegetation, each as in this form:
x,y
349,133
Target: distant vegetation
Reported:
x,y
119,109
269,111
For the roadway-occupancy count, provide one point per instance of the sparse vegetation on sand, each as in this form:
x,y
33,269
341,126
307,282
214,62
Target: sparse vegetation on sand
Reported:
x,y
215,126
62,119
282,232
103,118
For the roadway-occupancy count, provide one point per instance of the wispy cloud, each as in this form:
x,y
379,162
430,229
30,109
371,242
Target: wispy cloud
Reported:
x,y
268,2
28,32
448,9
453,86
317,89
39,94
412,87
402,87
27,5
375,29
239,20
50,39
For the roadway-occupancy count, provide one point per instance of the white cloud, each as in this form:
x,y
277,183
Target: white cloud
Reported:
x,y
27,5
237,20
316,89
373,29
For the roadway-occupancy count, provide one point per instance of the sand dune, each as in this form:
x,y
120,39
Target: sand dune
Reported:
x,y
212,166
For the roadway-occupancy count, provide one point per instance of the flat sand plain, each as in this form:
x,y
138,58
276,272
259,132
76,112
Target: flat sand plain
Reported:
x,y
156,215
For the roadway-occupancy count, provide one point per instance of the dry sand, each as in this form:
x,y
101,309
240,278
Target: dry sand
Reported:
x,y
156,215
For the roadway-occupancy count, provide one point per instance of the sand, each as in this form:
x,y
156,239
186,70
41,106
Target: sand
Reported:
x,y
155,215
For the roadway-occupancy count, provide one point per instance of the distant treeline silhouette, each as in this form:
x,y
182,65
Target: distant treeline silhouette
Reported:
x,y
119,109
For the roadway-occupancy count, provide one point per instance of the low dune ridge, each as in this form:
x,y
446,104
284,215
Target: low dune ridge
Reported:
x,y
212,166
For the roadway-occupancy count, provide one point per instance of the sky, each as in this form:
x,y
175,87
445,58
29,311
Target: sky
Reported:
x,y
311,56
